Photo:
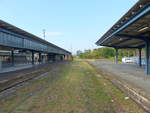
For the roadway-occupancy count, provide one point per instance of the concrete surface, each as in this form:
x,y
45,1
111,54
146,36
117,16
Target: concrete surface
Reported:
x,y
15,68
131,74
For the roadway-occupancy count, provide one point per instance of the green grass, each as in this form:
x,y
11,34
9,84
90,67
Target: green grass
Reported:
x,y
74,88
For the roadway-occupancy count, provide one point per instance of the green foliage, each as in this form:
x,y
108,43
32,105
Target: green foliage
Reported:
x,y
127,52
105,52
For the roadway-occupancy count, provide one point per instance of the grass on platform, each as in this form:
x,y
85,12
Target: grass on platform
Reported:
x,y
74,87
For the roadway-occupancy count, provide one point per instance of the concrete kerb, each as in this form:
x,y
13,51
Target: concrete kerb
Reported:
x,y
140,97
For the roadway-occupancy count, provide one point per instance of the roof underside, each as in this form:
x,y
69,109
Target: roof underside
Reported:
x,y
130,31
17,30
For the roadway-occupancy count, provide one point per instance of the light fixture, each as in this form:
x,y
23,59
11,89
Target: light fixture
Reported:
x,y
121,22
133,13
126,18
143,29
141,6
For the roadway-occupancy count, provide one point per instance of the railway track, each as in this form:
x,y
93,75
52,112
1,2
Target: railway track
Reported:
x,y
26,75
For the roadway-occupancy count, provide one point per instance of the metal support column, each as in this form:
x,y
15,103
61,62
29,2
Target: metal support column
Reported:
x,y
61,58
147,67
0,63
48,57
12,57
51,57
116,56
64,57
32,57
54,57
140,57
40,59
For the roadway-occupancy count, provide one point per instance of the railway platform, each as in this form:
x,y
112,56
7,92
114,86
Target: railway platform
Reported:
x,y
128,77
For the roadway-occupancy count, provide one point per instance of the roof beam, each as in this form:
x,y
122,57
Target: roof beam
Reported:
x,y
121,41
125,47
136,44
146,32
132,20
132,37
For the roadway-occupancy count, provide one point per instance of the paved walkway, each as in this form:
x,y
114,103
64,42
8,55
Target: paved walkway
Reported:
x,y
18,70
15,68
129,73
21,70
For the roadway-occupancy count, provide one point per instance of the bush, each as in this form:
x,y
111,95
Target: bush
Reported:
x,y
105,52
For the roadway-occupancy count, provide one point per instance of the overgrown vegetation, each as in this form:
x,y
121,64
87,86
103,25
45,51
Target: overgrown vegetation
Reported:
x,y
105,52
74,87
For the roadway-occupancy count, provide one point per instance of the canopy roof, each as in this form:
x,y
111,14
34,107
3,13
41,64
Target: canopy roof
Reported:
x,y
17,30
132,30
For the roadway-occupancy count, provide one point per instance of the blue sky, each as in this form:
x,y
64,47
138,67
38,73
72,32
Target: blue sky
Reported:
x,y
75,24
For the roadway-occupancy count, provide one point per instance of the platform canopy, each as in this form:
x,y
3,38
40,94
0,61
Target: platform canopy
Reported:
x,y
14,37
132,30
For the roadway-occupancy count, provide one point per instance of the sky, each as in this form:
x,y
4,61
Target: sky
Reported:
x,y
71,24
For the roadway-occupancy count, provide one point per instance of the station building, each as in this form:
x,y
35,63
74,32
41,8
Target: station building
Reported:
x,y
18,47
132,31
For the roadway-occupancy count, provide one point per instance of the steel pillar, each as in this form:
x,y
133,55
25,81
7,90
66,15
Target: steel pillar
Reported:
x,y
0,64
53,57
40,58
32,57
12,58
147,66
116,56
49,57
64,57
140,57
61,58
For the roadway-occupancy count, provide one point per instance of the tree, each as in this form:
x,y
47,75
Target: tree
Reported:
x,y
105,52
97,53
